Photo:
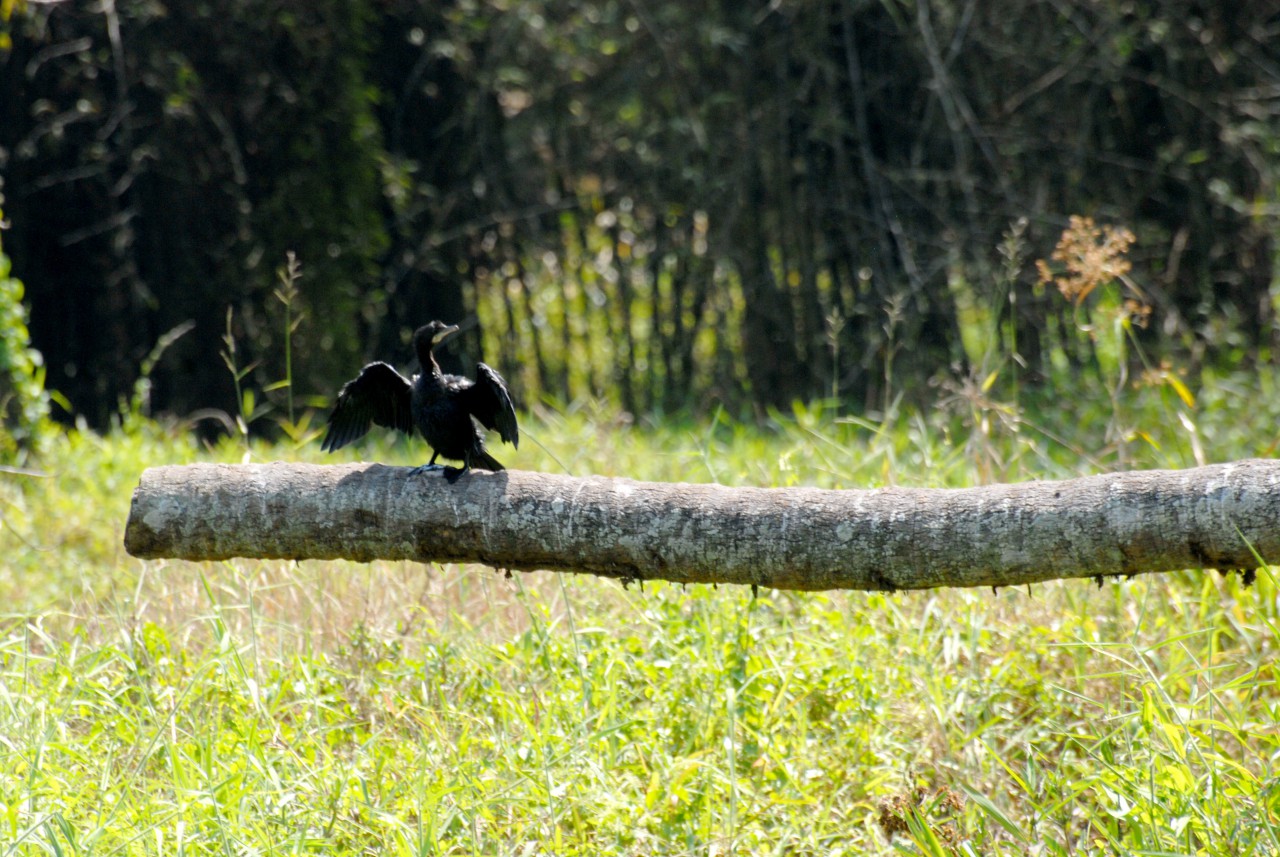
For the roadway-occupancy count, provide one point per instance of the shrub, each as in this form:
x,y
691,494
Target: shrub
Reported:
x,y
24,403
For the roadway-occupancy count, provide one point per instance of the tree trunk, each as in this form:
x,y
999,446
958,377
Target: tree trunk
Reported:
x,y
785,538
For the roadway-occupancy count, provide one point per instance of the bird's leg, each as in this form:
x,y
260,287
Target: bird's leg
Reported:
x,y
429,466
452,475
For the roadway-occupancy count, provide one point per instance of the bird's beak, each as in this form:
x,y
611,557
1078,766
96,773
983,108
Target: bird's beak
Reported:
x,y
444,334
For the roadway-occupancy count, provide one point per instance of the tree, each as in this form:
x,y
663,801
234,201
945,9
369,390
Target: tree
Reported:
x,y
663,203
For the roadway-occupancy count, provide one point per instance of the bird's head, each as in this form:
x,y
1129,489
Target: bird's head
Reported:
x,y
432,334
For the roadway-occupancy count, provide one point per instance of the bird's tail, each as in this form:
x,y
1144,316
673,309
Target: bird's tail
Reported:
x,y
486,461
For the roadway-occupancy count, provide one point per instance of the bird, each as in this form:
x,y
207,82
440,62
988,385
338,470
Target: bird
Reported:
x,y
444,408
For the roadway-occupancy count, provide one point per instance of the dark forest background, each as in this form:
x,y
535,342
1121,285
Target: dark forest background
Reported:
x,y
666,204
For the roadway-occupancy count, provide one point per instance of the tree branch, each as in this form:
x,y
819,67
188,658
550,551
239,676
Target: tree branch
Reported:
x,y
787,538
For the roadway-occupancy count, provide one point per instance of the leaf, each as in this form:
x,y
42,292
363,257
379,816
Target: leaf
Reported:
x,y
922,834
992,811
1181,389
1142,435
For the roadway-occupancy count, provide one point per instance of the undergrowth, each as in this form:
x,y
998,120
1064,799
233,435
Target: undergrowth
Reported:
x,y
390,708
254,707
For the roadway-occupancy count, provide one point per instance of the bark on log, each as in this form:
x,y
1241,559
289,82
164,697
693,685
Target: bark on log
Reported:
x,y
788,538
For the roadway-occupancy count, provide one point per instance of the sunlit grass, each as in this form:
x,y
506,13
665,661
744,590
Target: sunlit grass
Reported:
x,y
392,708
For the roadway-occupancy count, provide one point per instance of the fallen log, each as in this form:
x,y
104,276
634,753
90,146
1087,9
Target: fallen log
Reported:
x,y
1223,516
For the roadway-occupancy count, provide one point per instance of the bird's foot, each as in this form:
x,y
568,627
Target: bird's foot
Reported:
x,y
452,474
427,468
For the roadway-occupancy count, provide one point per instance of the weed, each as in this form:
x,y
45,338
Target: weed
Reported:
x,y
249,706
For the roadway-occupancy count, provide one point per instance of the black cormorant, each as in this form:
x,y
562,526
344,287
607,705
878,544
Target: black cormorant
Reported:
x,y
440,405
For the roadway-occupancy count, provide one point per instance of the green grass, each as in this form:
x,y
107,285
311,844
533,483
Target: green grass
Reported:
x,y
278,708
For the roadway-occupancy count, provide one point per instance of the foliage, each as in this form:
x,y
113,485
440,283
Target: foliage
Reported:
x,y
668,205
677,207
24,404
390,708
169,159
697,720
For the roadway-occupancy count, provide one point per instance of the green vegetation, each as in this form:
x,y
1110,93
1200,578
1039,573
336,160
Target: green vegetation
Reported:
x,y
24,404
667,216
274,708
660,204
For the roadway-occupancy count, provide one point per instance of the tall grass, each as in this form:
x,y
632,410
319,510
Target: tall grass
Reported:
x,y
256,707
390,708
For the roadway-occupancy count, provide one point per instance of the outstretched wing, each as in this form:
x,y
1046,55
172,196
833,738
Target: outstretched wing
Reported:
x,y
489,402
379,394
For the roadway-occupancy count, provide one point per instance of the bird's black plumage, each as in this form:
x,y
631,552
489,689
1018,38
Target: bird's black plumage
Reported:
x,y
441,406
